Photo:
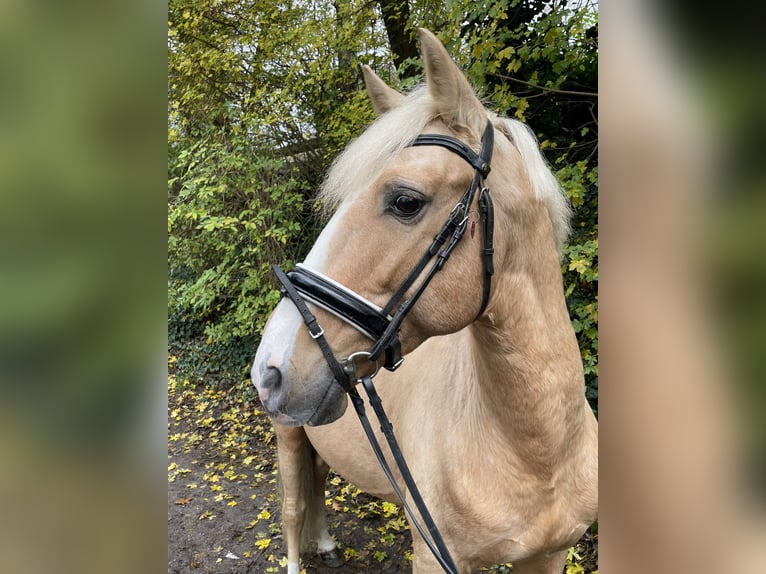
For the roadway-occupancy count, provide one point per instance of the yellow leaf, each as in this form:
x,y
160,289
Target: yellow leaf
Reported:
x,y
263,543
264,515
389,509
578,265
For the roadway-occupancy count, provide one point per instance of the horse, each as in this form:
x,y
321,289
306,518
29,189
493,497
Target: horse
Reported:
x,y
488,405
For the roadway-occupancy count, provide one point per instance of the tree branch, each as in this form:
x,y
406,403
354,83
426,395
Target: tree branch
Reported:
x,y
539,87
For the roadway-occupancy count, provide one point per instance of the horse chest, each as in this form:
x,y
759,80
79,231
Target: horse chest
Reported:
x,y
343,446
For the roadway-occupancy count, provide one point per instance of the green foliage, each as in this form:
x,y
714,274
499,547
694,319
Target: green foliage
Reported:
x,y
262,97
580,267
229,214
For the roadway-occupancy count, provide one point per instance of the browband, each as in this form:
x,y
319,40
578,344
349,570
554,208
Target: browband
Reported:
x,y
480,161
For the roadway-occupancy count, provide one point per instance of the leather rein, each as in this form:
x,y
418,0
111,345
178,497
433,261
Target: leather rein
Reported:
x,y
377,323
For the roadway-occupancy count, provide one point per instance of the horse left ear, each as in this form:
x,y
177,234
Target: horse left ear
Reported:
x,y
454,99
383,97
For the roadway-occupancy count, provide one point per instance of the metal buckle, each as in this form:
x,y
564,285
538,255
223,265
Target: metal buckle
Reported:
x,y
458,207
315,336
397,364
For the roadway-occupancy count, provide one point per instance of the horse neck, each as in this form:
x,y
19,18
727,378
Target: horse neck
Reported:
x,y
529,377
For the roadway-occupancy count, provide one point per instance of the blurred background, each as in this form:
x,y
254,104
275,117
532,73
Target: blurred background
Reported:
x,y
84,283
682,215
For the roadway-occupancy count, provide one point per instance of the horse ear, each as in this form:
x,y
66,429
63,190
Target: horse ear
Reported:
x,y
383,97
454,99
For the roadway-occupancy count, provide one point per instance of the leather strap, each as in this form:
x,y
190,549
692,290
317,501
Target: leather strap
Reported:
x,y
434,542
437,546
487,210
315,329
340,301
379,324
480,161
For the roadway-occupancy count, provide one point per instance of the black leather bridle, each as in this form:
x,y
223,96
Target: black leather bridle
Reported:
x,y
377,323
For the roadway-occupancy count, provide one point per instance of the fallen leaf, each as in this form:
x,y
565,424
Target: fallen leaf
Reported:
x,y
183,501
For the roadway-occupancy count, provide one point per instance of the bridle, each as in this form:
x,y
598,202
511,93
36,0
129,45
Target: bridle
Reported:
x,y
376,322
379,324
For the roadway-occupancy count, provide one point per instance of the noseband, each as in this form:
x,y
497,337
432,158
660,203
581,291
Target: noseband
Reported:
x,y
382,327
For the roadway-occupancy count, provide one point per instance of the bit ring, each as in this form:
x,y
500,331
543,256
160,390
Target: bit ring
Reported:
x,y
350,365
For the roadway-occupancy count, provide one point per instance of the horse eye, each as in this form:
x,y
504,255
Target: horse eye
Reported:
x,y
407,205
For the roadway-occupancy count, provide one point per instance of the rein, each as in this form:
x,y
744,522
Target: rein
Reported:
x,y
383,328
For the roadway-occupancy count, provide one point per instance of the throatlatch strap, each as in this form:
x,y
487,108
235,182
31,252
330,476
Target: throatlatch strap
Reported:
x,y
487,210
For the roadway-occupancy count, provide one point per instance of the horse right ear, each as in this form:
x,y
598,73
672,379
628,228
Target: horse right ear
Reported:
x,y
455,102
383,97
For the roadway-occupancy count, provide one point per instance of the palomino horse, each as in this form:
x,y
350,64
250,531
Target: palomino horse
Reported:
x,y
488,406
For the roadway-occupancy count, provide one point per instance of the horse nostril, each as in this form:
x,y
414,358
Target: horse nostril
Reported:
x,y
271,389
272,379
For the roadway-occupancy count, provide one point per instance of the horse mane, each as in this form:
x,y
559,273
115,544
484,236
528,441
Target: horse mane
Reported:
x,y
545,186
365,158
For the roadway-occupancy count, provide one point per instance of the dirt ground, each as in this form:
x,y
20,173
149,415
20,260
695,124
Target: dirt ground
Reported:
x,y
223,502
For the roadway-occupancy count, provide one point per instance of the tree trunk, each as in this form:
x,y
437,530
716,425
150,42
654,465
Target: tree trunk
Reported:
x,y
396,14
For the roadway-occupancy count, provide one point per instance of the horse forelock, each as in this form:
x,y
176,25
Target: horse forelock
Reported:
x,y
364,159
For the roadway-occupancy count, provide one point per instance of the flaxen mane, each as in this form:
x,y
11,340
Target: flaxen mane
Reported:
x,y
397,128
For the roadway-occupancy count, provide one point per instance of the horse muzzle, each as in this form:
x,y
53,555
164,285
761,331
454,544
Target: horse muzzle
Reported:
x,y
294,401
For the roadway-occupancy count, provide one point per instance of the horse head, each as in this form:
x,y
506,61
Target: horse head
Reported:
x,y
392,198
